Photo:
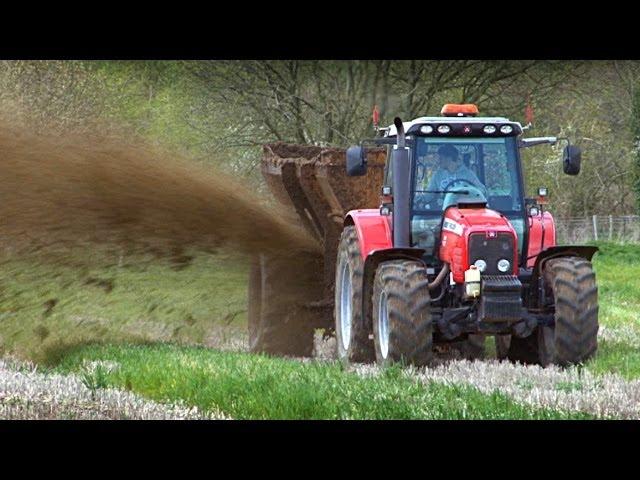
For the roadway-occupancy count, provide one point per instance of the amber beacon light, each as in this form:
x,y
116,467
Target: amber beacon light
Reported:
x,y
459,110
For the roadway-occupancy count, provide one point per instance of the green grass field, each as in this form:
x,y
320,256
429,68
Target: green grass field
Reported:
x,y
149,317
46,308
248,386
618,272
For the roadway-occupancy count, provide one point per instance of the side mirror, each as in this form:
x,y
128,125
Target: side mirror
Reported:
x,y
356,161
571,158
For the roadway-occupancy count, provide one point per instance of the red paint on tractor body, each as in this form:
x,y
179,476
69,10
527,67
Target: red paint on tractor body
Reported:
x,y
459,224
375,233
374,230
537,224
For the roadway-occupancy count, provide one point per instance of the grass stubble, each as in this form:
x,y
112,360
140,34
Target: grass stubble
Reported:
x,y
246,386
26,393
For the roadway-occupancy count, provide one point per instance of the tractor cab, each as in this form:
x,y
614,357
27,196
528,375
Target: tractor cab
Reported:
x,y
460,159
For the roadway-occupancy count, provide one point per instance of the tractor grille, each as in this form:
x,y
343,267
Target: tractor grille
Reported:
x,y
491,250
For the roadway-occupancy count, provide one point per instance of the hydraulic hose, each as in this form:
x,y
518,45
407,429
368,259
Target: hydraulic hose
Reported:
x,y
441,276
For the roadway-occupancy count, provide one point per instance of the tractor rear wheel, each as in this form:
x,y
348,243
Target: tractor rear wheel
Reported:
x,y
402,328
571,283
279,324
352,331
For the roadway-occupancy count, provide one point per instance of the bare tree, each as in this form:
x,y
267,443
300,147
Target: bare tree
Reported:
x,y
329,102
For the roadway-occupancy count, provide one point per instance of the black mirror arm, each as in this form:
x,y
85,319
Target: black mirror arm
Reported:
x,y
532,142
376,142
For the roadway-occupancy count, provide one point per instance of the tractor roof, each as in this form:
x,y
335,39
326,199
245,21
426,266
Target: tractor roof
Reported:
x,y
414,125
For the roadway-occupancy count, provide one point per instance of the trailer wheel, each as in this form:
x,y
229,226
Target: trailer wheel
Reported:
x,y
352,332
279,324
571,283
402,327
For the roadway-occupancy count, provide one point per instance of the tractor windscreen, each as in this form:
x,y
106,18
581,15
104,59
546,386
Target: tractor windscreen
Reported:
x,y
444,169
481,167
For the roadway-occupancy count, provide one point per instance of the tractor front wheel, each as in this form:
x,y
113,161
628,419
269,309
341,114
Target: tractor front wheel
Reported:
x,y
402,328
571,283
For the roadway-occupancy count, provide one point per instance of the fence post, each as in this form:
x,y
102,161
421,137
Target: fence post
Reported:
x,y
610,227
595,228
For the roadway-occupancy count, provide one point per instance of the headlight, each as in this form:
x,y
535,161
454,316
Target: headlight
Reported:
x,y
444,129
489,129
426,129
506,129
504,265
480,265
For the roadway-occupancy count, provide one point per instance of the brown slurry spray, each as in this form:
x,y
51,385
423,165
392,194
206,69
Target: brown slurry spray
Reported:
x,y
61,192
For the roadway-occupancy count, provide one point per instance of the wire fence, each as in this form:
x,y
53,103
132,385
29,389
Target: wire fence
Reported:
x,y
622,229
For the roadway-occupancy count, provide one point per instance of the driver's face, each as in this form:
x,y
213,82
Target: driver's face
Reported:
x,y
448,163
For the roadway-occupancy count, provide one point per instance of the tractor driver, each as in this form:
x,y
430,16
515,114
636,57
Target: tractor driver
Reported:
x,y
450,168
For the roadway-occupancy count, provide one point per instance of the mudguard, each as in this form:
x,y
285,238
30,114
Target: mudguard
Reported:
x,y
376,245
537,225
374,230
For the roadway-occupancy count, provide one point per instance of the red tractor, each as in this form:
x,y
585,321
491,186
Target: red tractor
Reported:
x,y
455,252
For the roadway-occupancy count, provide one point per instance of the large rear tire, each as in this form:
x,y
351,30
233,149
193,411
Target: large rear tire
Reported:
x,y
352,331
279,324
402,328
571,283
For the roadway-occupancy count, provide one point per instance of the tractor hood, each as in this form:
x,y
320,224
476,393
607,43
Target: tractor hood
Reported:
x,y
478,218
469,234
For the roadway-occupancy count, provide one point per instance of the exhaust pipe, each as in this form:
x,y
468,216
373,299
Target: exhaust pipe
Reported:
x,y
401,189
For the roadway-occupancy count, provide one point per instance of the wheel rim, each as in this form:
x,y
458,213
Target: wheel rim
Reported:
x,y
345,305
383,325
